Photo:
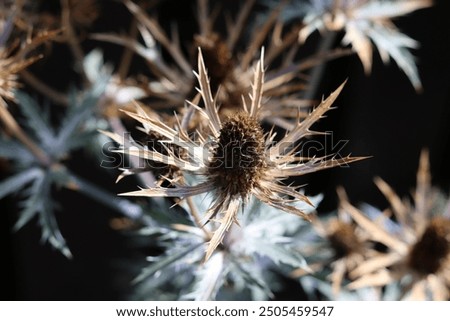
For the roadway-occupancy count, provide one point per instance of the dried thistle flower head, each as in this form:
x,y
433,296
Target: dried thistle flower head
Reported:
x,y
237,159
367,21
418,242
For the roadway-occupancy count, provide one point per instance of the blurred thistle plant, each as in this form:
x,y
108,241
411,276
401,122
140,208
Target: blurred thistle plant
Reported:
x,y
417,239
365,22
233,157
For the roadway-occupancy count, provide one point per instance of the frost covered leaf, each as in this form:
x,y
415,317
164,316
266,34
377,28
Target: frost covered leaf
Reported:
x,y
35,178
40,203
57,142
252,279
93,65
116,92
268,233
397,45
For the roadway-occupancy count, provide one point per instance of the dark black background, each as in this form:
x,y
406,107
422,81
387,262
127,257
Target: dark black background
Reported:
x,y
381,115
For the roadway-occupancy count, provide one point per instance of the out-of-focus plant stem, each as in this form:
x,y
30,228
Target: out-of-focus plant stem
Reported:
x,y
14,128
121,205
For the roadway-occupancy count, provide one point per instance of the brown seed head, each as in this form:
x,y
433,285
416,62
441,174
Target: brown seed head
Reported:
x,y
343,239
428,254
238,156
221,66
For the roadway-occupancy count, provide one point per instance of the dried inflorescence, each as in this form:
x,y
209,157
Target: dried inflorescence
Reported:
x,y
246,265
236,161
14,59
